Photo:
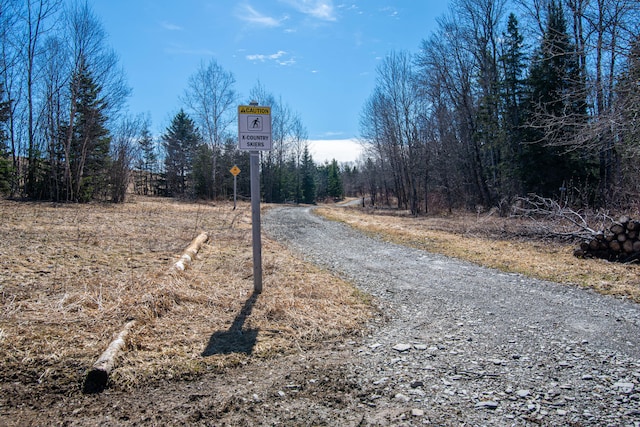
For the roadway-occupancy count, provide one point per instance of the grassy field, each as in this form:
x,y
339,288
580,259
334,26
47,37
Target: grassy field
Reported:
x,y
72,275
508,244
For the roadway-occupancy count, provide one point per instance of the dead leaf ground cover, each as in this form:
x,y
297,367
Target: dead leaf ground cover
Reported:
x,y
72,275
508,244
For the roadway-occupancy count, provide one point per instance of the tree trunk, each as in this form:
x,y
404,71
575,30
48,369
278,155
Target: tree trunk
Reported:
x,y
190,253
97,377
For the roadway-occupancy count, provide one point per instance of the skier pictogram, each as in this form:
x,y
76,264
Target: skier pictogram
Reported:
x,y
254,123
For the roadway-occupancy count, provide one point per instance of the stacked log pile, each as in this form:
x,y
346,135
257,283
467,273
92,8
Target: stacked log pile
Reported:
x,y
620,243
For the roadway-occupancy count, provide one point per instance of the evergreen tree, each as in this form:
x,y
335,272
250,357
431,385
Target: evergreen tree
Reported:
x,y
555,102
295,178
93,142
554,79
308,178
203,172
513,62
86,141
334,182
291,181
350,180
629,106
180,142
322,179
147,163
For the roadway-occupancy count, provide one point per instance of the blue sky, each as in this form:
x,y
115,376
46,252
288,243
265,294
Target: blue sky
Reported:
x,y
318,56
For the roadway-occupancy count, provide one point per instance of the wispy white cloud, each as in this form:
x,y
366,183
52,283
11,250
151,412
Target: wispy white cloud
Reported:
x,y
247,13
280,57
319,9
262,58
347,6
287,62
390,11
170,27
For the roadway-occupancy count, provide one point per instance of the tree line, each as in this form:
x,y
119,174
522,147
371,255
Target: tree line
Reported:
x,y
66,136
505,99
64,132
194,167
200,146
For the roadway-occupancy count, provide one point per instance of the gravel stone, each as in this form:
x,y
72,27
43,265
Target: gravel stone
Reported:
x,y
402,347
417,412
487,404
624,387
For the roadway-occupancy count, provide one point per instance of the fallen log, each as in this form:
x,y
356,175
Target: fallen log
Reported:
x,y
97,377
190,253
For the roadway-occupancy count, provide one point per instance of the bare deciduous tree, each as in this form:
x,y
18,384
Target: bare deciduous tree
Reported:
x,y
36,16
211,97
393,119
124,150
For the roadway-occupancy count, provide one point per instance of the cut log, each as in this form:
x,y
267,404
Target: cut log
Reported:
x,y
627,246
617,229
620,243
97,377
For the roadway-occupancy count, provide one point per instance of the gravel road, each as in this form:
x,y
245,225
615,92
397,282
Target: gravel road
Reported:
x,y
461,344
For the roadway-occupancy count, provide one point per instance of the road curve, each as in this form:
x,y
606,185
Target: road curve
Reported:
x,y
468,345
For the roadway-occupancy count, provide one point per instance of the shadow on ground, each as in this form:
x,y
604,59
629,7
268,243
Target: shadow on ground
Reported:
x,y
235,340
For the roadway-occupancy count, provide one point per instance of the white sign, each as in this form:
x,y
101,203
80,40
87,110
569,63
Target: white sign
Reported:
x,y
254,127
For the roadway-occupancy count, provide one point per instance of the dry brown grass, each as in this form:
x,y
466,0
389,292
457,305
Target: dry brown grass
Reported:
x,y
510,245
72,275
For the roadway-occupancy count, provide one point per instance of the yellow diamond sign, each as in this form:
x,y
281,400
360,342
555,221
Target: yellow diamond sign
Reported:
x,y
235,170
